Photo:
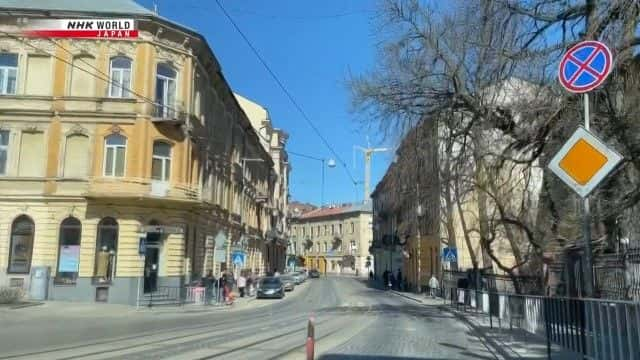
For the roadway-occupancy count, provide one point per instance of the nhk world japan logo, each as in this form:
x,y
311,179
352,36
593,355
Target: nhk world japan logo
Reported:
x,y
82,28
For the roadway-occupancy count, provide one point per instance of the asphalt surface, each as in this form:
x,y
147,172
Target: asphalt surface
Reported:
x,y
352,321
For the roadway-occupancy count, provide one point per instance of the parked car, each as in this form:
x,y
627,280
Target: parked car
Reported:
x,y
314,274
298,277
270,287
288,282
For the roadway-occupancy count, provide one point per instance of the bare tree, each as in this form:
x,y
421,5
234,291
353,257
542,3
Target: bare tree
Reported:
x,y
485,70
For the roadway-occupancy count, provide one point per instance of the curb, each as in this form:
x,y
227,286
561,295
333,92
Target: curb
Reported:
x,y
406,296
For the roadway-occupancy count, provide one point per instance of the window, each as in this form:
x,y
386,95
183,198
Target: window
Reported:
x,y
354,247
165,91
161,163
21,246
317,247
76,156
325,246
120,77
333,230
114,155
4,151
32,155
106,249
340,229
39,74
8,73
82,76
324,231
318,230
353,229
304,231
69,251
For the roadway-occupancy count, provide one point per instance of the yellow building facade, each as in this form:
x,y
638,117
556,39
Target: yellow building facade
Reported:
x,y
121,165
334,239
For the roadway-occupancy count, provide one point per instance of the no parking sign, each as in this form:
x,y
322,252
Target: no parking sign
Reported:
x,y
585,66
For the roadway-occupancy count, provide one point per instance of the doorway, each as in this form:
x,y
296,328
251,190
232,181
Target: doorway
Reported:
x,y
151,262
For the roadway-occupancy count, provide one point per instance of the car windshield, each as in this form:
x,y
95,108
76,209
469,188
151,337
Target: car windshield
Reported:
x,y
270,281
286,278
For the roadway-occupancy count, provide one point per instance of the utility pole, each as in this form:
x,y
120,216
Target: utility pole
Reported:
x,y
368,153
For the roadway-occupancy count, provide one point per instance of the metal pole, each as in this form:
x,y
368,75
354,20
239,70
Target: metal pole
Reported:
x,y
588,276
322,186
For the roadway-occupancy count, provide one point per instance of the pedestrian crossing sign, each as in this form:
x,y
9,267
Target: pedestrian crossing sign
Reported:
x,y
450,254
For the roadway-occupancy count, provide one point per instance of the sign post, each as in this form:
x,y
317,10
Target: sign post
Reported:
x,y
580,164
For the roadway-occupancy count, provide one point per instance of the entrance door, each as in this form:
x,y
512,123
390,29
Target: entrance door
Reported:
x,y
151,269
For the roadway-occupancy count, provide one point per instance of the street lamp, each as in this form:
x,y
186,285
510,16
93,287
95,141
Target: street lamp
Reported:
x,y
329,162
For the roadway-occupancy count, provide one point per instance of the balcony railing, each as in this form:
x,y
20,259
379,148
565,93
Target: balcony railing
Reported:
x,y
141,187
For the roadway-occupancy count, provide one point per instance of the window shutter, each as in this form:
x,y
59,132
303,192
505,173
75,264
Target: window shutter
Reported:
x,y
76,156
38,75
32,155
82,80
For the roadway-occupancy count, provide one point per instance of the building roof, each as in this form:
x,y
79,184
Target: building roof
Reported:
x,y
90,6
337,210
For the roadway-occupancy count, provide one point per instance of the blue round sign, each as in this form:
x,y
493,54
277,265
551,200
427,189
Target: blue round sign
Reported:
x,y
585,66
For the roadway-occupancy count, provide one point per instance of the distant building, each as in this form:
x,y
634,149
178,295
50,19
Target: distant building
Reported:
x,y
334,239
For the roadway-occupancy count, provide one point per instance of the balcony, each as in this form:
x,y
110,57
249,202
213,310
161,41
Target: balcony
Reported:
x,y
106,187
166,115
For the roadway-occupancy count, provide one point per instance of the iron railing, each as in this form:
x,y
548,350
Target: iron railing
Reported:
x,y
597,329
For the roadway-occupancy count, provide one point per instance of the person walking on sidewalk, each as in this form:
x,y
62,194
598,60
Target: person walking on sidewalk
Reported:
x,y
399,280
242,283
433,286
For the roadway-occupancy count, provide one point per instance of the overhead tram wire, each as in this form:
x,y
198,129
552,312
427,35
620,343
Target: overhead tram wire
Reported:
x,y
286,92
107,79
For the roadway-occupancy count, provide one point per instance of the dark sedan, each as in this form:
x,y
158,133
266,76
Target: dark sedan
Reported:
x,y
314,273
270,287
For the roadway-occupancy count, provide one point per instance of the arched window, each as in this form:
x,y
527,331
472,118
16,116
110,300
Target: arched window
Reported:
x,y
120,77
165,91
83,76
69,251
161,163
21,247
115,151
106,250
76,156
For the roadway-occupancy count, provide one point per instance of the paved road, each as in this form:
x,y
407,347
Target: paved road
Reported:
x,y
353,321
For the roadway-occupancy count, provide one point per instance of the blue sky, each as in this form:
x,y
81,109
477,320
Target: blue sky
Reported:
x,y
312,46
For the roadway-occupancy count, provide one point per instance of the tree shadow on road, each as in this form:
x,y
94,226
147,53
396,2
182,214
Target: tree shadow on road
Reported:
x,y
381,357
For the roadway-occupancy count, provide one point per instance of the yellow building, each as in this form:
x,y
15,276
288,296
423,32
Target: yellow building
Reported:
x,y
334,239
122,163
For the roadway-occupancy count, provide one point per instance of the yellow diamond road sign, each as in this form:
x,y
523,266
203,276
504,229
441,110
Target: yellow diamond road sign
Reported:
x,y
583,161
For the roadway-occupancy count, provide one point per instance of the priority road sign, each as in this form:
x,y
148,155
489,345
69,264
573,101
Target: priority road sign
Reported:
x,y
584,161
450,254
585,66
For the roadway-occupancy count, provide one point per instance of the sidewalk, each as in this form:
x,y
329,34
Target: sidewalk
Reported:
x,y
505,342
94,310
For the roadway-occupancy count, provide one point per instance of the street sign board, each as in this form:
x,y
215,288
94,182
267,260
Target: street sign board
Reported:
x,y
450,254
584,161
585,66
237,258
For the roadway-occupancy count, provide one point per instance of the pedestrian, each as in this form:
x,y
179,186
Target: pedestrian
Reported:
x,y
208,283
385,279
276,273
433,286
399,280
242,283
250,284
392,280
370,274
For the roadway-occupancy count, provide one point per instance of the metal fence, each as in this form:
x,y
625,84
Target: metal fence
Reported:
x,y
493,282
597,329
